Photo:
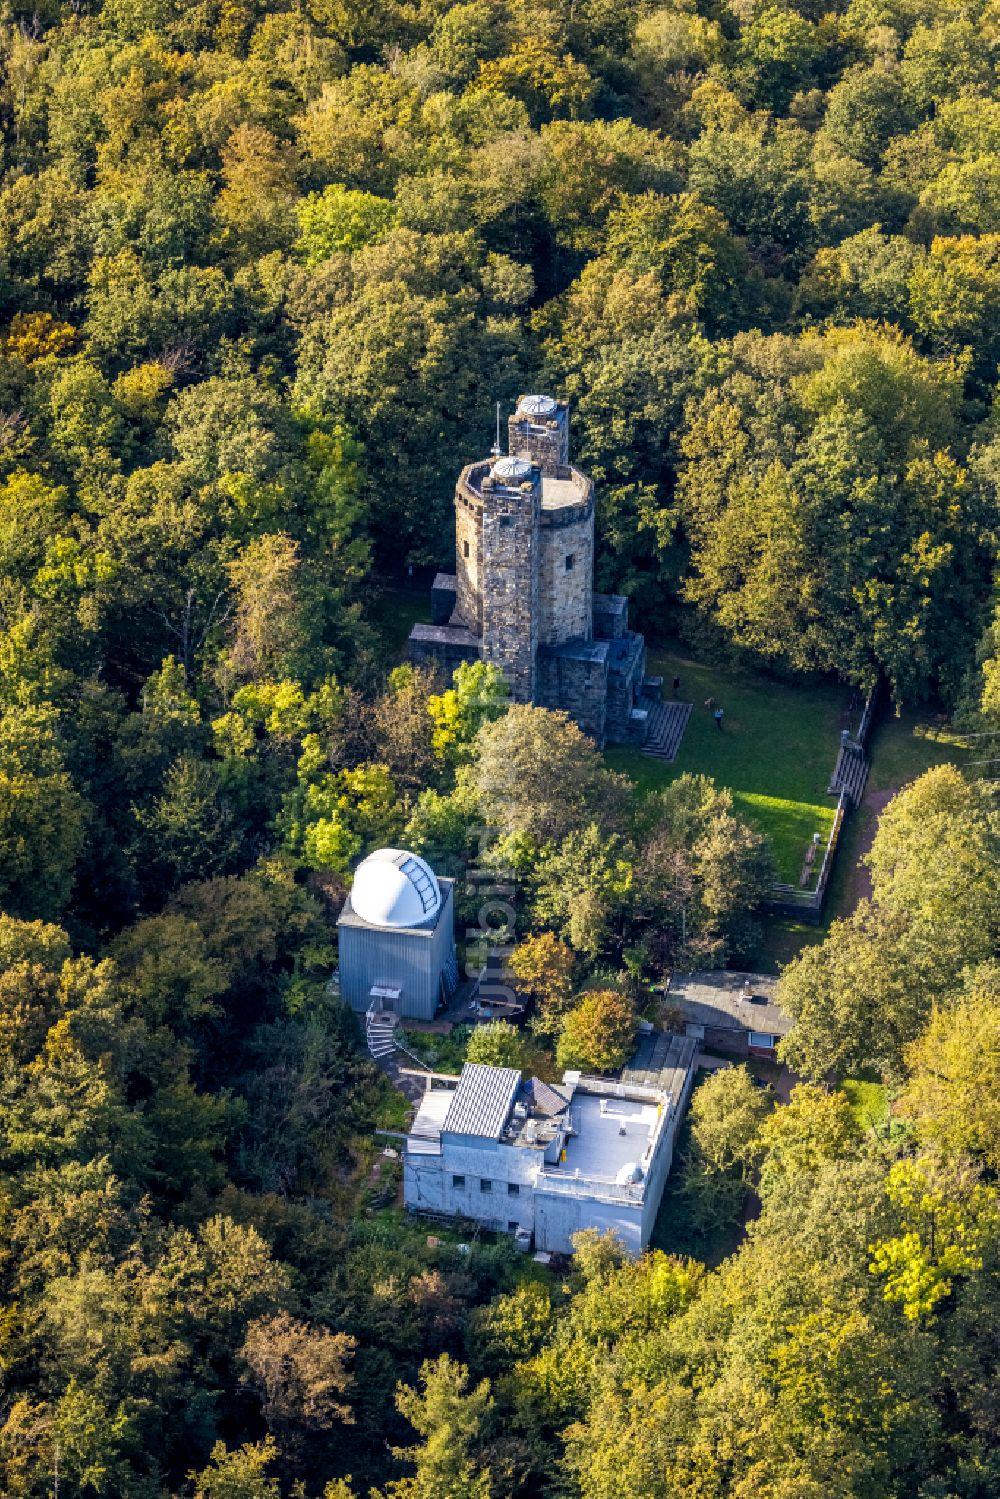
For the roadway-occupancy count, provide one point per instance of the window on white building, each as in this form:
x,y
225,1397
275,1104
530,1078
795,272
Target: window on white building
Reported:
x,y
513,1190
763,1041
458,1181
485,1185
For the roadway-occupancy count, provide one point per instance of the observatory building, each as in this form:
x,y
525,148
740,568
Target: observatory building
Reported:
x,y
522,594
397,936
542,1161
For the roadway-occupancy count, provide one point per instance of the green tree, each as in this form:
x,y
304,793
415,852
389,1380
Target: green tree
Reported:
x,y
449,1417
339,219
497,1044
582,888
537,774
726,1114
951,1093
479,695
42,815
814,1126
239,1474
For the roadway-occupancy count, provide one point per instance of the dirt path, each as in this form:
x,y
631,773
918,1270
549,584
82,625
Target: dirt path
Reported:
x,y
859,885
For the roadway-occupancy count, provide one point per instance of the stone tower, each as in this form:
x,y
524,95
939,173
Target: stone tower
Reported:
x,y
522,595
512,501
539,432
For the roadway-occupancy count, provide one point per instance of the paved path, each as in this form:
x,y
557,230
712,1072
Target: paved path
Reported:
x,y
385,1052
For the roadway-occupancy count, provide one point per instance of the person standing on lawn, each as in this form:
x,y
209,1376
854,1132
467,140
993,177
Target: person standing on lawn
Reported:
x,y
717,715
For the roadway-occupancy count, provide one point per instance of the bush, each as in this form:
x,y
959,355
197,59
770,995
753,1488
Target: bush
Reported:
x,y
497,1044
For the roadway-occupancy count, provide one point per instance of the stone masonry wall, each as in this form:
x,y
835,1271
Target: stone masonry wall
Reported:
x,y
544,443
565,597
510,584
468,557
577,687
624,686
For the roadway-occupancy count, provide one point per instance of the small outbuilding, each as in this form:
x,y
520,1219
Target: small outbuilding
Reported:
x,y
730,1011
397,936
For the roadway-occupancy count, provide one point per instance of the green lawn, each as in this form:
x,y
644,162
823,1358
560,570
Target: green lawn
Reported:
x,y
869,1103
776,750
902,748
398,607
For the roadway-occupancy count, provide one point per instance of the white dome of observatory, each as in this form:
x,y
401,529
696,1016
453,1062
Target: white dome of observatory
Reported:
x,y
393,888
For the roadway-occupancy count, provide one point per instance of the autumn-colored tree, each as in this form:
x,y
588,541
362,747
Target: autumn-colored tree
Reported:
x,y
543,967
300,1372
598,1032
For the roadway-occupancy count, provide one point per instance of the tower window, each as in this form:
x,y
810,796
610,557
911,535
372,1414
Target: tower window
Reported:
x,y
569,562
465,548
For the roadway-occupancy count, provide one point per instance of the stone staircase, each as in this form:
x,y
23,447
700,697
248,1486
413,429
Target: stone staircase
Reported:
x,y
667,722
850,773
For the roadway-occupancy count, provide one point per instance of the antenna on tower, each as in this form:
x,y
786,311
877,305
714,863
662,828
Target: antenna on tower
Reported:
x,y
496,449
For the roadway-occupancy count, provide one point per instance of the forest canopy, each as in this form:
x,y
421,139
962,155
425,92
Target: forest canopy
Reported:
x,y
265,271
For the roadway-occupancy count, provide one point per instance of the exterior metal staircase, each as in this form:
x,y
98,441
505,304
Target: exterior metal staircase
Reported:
x,y
380,1032
850,773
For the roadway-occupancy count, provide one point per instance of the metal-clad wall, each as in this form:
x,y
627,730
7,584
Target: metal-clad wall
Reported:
x,y
405,960
443,940
408,960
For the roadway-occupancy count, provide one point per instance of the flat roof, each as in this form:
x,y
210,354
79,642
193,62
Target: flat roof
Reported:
x,y
717,999
425,1132
578,650
446,635
559,492
661,1060
611,603
611,1133
482,1102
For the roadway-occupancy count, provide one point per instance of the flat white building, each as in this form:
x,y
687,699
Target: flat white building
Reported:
x,y
543,1161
